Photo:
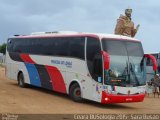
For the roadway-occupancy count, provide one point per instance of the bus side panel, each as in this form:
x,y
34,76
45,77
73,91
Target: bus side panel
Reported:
x,y
78,72
8,66
87,87
33,74
14,67
25,72
57,79
41,78
44,77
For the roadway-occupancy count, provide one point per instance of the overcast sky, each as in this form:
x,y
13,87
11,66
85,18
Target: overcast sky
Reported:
x,y
27,16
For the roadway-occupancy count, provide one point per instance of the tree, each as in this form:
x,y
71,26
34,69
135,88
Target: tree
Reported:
x,y
3,48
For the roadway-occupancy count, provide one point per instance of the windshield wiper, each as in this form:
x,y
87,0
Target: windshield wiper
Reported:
x,y
133,72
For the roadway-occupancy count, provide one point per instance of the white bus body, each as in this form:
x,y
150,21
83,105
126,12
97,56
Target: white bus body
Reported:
x,y
73,63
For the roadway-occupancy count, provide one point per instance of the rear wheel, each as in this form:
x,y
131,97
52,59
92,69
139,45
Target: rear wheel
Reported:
x,y
75,93
21,82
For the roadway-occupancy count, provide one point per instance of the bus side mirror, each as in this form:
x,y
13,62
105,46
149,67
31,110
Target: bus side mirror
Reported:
x,y
106,59
153,59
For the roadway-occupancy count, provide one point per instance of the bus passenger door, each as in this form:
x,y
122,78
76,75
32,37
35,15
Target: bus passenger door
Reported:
x,y
95,67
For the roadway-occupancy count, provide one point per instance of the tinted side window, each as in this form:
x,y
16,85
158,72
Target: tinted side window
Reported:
x,y
149,62
76,47
19,45
24,46
94,58
64,46
60,46
10,45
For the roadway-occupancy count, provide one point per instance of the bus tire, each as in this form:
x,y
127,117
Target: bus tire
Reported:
x,y
21,82
75,93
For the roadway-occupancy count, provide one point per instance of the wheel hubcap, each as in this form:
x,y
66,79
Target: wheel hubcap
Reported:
x,y
78,93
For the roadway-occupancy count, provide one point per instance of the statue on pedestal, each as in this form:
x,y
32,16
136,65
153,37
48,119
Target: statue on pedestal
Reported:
x,y
125,25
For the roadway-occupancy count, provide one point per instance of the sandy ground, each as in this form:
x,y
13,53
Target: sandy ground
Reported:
x,y
33,100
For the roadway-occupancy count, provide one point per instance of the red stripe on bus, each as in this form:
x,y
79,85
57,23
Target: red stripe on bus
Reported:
x,y
80,35
57,79
57,36
26,58
121,39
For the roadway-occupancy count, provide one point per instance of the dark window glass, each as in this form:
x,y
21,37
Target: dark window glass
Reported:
x,y
94,58
60,47
76,47
149,62
134,49
114,47
68,47
10,45
126,62
22,45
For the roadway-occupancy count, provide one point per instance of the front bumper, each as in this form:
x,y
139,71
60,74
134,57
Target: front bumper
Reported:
x,y
111,98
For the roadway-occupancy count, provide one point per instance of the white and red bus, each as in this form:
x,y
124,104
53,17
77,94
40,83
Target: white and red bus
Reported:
x,y
99,67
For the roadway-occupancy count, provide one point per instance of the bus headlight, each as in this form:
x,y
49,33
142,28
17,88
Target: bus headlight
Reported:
x,y
106,99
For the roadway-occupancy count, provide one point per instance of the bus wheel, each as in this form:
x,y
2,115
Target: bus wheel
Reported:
x,y
75,93
21,82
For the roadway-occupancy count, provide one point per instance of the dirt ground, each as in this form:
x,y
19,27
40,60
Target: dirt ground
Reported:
x,y
33,100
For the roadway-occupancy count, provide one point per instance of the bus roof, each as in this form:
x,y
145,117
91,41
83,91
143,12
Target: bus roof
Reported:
x,y
72,33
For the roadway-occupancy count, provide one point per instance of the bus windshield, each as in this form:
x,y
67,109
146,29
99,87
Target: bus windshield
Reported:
x,y
127,66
